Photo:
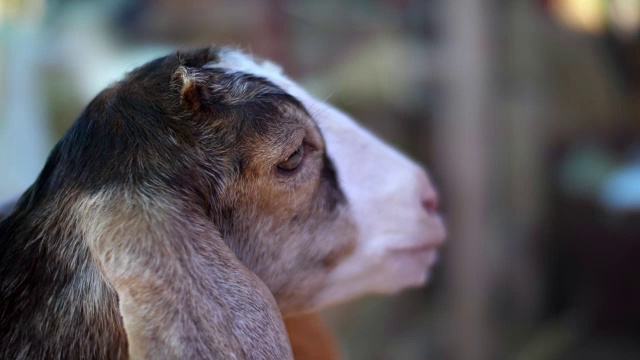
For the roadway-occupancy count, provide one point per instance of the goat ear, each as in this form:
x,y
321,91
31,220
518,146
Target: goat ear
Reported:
x,y
183,293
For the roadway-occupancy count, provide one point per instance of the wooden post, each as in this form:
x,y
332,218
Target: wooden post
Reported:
x,y
464,138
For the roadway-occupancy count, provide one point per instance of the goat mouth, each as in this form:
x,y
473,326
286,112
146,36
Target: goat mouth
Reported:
x,y
427,255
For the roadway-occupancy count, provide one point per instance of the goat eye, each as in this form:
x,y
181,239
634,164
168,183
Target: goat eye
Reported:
x,y
293,161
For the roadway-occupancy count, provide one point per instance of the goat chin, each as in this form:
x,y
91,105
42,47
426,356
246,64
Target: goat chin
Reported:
x,y
194,204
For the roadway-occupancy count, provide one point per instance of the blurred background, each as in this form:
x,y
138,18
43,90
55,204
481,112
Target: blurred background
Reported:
x,y
526,113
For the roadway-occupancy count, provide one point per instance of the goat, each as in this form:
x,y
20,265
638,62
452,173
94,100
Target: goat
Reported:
x,y
197,203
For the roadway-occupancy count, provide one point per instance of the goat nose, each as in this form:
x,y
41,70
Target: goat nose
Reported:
x,y
428,194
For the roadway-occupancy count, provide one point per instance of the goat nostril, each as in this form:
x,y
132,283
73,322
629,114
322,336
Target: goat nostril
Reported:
x,y
428,195
430,204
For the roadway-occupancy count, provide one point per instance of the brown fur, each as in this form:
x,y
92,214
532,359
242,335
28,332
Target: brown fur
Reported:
x,y
310,339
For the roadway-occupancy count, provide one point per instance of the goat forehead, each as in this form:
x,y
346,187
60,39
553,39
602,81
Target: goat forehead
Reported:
x,y
236,61
335,125
338,129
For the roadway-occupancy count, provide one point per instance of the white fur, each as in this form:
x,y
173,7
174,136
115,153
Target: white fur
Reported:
x,y
385,191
